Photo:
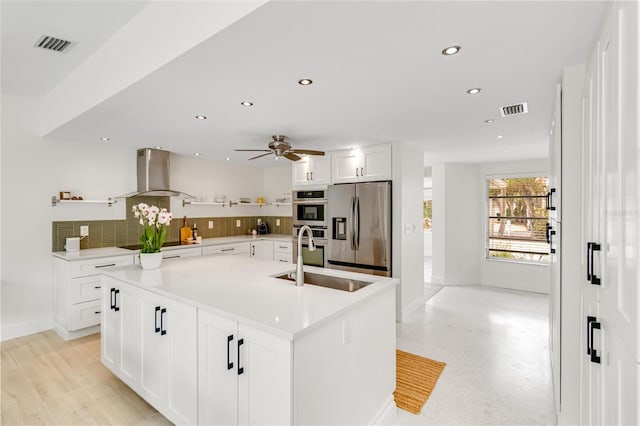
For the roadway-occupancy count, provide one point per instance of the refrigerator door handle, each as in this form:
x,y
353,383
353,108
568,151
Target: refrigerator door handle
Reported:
x,y
351,223
357,224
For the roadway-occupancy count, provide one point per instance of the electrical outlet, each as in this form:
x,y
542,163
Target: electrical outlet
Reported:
x,y
277,222
238,223
84,230
210,224
259,221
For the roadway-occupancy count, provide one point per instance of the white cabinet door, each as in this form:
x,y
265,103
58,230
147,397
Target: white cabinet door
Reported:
x,y
345,166
181,253
376,163
168,357
217,370
361,165
264,378
262,250
120,338
227,249
555,160
312,170
591,372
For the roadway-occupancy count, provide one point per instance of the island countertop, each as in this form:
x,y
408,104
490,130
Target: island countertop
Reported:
x,y
246,290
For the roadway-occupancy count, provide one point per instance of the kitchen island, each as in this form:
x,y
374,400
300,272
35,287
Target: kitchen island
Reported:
x,y
220,340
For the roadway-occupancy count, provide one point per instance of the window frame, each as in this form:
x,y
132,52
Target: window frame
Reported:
x,y
487,177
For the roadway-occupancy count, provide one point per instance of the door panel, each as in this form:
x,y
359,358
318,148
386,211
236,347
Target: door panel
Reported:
x,y
340,201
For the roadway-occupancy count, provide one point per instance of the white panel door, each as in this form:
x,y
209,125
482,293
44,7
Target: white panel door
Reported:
x,y
376,163
129,357
217,370
555,290
153,351
591,372
109,326
301,172
264,378
321,170
555,160
262,250
345,166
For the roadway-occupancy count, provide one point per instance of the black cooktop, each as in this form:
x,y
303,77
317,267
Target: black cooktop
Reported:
x,y
139,246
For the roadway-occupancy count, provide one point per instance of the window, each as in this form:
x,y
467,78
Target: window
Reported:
x,y
518,219
426,215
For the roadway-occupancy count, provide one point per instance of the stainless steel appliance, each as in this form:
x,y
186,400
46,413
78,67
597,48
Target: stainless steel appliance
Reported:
x,y
318,257
154,176
360,227
310,208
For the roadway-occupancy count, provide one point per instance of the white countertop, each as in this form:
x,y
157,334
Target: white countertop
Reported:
x,y
244,289
116,251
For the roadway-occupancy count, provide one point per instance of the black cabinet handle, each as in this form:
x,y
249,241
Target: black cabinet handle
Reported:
x,y
357,172
551,234
229,363
163,330
115,300
97,286
104,266
594,353
97,312
547,232
240,369
253,250
155,320
550,205
172,257
228,249
595,280
590,319
111,303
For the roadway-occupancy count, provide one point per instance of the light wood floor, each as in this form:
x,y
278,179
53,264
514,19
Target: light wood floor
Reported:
x,y
47,381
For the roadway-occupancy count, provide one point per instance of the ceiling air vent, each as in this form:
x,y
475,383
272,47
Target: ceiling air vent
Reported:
x,y
516,109
53,43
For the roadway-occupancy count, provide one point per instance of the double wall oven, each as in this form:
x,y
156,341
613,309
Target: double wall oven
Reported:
x,y
310,208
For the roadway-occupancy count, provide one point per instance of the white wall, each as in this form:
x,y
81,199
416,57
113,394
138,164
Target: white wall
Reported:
x,y
407,228
34,169
459,228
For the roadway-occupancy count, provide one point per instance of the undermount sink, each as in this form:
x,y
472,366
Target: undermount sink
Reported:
x,y
338,283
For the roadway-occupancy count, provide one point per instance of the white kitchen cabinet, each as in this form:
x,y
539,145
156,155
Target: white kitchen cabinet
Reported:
x,y
244,374
77,293
361,165
120,331
283,251
611,234
233,249
261,249
181,253
168,350
311,170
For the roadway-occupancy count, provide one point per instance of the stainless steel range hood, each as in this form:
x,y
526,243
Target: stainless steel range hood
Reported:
x,y
154,178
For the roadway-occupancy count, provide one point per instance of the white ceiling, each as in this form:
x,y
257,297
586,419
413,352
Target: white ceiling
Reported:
x,y
378,73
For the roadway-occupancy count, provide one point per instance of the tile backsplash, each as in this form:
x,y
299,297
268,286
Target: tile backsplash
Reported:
x,y
109,233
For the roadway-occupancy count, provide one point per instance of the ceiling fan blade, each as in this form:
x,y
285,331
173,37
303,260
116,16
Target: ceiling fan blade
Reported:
x,y
291,156
261,155
255,150
307,151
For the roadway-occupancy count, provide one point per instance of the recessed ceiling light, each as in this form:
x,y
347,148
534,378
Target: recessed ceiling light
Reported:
x,y
246,103
491,120
104,138
158,147
197,154
228,159
499,137
451,50
474,91
305,82
201,117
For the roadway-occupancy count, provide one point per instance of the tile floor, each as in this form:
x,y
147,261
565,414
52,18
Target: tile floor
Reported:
x,y
495,344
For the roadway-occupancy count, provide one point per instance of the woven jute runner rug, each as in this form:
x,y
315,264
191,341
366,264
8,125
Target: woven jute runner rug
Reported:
x,y
416,376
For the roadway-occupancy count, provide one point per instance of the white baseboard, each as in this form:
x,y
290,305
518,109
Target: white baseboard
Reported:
x,y
26,328
412,307
70,335
387,413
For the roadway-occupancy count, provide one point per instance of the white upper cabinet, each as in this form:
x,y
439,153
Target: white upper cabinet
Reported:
x,y
312,170
360,165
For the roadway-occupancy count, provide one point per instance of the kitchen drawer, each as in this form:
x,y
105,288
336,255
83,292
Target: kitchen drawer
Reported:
x,y
283,246
227,249
283,257
84,289
85,315
82,268
182,252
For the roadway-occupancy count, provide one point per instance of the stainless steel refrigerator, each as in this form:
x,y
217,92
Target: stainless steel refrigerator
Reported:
x,y
360,227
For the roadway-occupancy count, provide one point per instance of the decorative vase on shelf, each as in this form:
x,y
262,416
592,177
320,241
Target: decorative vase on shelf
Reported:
x,y
150,260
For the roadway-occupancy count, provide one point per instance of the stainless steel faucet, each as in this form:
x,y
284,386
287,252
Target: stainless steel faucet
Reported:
x,y
312,247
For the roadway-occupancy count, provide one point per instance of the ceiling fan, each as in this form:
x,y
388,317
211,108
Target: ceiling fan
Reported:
x,y
282,148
